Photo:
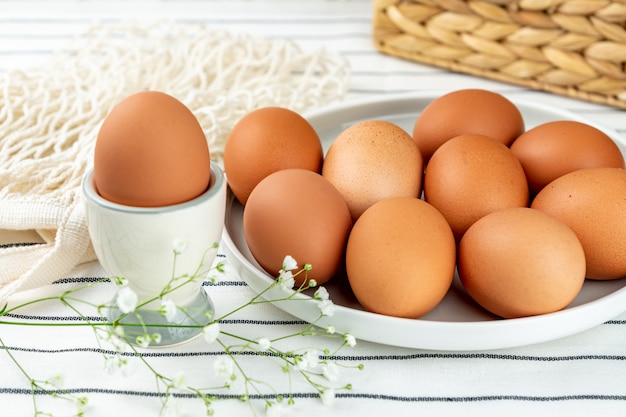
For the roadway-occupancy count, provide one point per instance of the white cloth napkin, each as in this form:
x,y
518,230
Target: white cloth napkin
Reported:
x,y
575,376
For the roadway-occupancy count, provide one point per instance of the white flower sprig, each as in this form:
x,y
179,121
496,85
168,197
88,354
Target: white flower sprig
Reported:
x,y
316,366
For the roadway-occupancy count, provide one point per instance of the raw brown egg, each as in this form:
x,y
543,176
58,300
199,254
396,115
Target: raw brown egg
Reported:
x,y
521,262
592,202
267,140
400,257
297,212
469,111
470,176
552,149
151,151
373,160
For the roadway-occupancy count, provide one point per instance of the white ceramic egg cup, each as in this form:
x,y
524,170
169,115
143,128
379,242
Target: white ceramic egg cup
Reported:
x,y
152,246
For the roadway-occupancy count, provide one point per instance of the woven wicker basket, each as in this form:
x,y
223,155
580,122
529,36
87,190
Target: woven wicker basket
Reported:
x,y
575,48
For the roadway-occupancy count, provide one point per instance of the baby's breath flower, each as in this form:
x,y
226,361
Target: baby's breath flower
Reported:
x,y
127,300
308,361
327,307
264,344
222,267
171,408
168,309
143,340
56,380
274,409
223,367
80,403
178,381
180,246
111,364
328,396
286,279
210,332
214,277
321,294
115,363
120,281
349,340
217,273
289,264
330,371
119,331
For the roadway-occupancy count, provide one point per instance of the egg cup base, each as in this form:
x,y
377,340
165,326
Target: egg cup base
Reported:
x,y
187,324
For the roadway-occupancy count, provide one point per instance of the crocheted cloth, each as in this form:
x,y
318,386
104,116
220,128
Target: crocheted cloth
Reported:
x,y
50,116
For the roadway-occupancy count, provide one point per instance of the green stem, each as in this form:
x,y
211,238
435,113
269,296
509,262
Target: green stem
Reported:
x,y
15,361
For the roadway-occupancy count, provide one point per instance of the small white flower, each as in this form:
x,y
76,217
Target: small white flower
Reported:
x,y
289,264
156,338
111,364
349,340
308,361
178,381
331,330
312,283
127,367
264,344
168,309
274,409
213,277
80,403
327,308
56,380
321,294
115,363
120,281
330,371
143,340
223,367
171,408
119,331
211,332
328,396
222,267
180,246
218,272
127,300
286,279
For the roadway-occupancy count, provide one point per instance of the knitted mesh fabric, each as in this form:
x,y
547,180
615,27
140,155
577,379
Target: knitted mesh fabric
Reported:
x,y
50,117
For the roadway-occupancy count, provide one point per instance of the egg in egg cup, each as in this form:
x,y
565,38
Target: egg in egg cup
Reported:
x,y
156,249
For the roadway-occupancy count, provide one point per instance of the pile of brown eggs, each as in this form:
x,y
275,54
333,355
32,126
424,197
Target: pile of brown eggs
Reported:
x,y
525,216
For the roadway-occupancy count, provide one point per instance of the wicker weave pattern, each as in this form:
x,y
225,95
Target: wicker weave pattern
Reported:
x,y
575,48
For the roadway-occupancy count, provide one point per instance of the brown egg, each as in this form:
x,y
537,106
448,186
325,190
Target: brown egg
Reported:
x,y
373,160
297,212
470,111
267,140
472,175
151,151
552,149
400,257
521,262
592,202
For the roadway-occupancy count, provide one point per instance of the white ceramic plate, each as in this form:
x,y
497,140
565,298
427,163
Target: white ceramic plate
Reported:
x,y
457,323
